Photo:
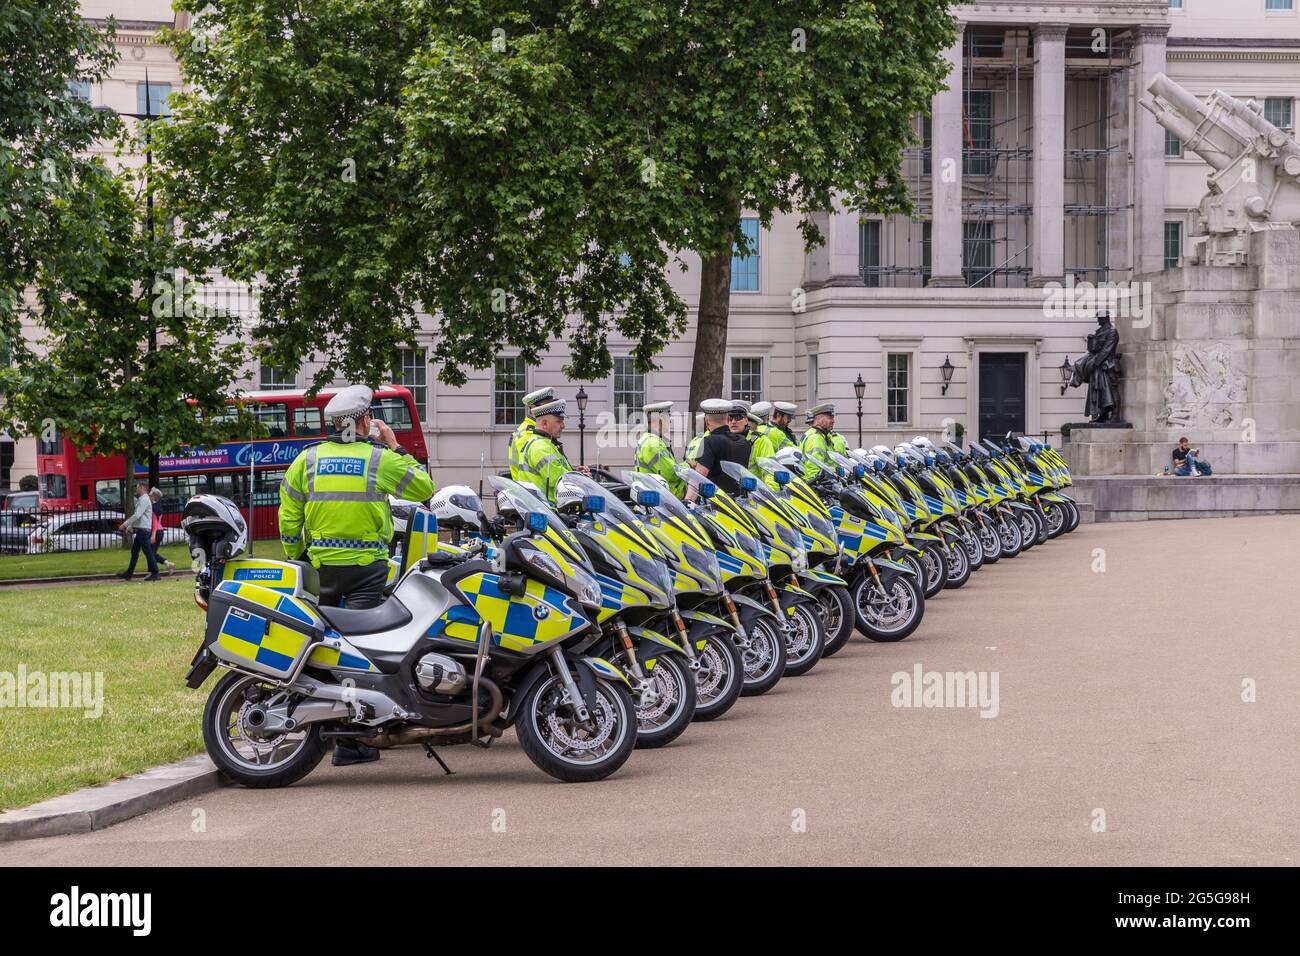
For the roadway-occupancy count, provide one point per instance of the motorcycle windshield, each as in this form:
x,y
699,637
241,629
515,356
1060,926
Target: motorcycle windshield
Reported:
x,y
615,511
517,497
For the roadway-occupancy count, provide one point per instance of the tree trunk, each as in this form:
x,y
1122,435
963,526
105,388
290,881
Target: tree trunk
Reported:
x,y
711,329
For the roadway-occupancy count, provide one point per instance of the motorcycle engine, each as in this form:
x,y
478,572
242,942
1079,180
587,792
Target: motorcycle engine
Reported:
x,y
440,674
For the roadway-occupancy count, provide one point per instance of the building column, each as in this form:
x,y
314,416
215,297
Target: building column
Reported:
x,y
1047,229
1148,156
946,142
1118,225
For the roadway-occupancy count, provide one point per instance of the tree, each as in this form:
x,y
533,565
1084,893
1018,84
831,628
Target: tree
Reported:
x,y
44,133
525,170
93,375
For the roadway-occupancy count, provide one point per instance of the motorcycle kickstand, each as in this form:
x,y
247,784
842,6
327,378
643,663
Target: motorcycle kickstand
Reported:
x,y
433,755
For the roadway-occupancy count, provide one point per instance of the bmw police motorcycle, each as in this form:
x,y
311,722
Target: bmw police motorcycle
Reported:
x,y
466,647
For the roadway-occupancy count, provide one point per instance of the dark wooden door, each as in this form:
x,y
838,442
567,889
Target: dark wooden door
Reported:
x,y
1002,393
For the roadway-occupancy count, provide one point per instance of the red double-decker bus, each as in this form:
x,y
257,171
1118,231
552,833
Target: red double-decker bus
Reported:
x,y
70,482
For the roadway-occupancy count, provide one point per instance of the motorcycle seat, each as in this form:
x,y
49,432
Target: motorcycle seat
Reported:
x,y
310,577
350,622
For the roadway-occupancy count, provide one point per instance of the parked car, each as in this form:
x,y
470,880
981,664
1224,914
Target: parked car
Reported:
x,y
15,528
85,532
20,500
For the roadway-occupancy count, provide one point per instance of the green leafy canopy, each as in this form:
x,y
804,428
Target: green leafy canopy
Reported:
x,y
522,170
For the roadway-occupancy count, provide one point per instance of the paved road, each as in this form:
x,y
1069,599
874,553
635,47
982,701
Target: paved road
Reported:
x,y
1119,693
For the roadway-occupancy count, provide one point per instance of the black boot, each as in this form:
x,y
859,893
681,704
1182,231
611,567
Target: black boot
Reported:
x,y
349,752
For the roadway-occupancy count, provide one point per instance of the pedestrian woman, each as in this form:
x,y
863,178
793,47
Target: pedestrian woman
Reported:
x,y
156,531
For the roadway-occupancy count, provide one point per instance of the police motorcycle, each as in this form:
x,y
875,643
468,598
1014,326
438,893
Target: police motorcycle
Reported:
x,y
824,546
465,648
632,560
944,566
1060,469
885,592
663,685
1043,474
1004,506
708,597
888,477
956,491
749,588
980,500
782,533
1012,476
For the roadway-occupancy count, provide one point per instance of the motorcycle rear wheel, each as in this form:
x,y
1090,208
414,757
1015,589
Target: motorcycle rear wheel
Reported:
x,y
229,734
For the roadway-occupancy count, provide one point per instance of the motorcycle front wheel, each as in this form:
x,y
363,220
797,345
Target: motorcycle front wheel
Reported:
x,y
558,744
958,566
837,617
1009,532
764,660
1028,522
974,549
231,717
1057,519
935,558
991,542
804,640
663,723
720,679
890,616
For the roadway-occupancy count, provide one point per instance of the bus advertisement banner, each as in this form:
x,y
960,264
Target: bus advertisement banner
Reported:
x,y
273,453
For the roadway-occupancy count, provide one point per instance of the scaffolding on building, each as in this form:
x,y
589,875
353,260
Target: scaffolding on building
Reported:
x,y
997,165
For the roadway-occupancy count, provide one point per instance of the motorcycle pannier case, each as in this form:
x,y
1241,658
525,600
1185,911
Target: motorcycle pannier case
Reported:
x,y
261,630
295,578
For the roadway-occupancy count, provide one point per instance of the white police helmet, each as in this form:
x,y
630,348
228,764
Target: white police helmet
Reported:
x,y
568,494
790,456
456,506
349,404
920,441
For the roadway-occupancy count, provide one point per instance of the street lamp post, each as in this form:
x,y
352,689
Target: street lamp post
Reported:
x,y
946,370
859,389
582,426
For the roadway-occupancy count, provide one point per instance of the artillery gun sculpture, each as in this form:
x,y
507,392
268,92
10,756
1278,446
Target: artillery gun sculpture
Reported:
x,y
1256,180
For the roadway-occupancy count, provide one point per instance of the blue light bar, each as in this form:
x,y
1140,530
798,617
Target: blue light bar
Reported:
x,y
859,471
782,477
708,489
748,483
647,497
593,503
536,521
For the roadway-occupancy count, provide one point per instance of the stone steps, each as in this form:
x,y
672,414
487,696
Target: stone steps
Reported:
x,y
1147,498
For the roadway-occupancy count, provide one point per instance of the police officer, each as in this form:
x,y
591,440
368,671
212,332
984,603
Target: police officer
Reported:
x,y
723,442
541,458
524,429
782,417
778,438
816,442
653,453
334,509
760,446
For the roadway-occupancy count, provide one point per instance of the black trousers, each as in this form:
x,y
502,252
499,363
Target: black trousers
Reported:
x,y
353,585
142,541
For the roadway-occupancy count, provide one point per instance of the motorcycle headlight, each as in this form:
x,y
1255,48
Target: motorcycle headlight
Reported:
x,y
588,588
749,545
705,563
655,573
542,562
799,559
788,536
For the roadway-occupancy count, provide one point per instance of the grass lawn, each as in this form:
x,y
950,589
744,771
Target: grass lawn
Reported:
x,y
141,638
101,561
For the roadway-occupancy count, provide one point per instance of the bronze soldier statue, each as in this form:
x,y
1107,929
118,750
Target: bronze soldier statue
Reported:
x,y
1099,369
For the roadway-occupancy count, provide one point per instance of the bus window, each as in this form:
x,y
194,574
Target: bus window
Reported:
x,y
393,411
307,422
54,486
52,447
178,489
266,488
275,416
108,493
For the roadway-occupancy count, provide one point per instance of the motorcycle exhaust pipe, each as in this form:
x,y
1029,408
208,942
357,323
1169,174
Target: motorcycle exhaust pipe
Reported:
x,y
414,734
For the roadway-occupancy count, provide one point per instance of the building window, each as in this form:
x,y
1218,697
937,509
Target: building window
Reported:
x,y
1175,4
898,388
869,252
744,268
1277,110
1279,5
412,371
1173,146
151,99
509,384
927,144
925,252
273,379
629,389
977,253
977,157
79,89
747,379
1173,244
812,380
